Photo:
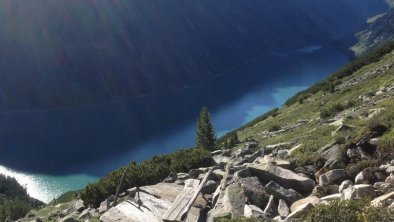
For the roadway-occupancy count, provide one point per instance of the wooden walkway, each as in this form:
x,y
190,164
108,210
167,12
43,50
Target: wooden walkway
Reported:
x,y
185,200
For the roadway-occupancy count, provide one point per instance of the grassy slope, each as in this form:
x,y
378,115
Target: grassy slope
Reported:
x,y
313,135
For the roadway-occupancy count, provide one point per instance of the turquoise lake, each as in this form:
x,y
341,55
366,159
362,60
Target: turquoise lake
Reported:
x,y
303,67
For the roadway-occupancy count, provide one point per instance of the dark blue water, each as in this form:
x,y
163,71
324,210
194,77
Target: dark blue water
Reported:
x,y
136,129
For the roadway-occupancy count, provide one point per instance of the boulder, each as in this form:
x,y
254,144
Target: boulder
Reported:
x,y
210,187
345,184
194,173
279,146
359,178
359,191
219,173
321,191
252,211
271,209
131,192
333,154
390,179
283,177
278,162
331,197
300,212
68,218
332,177
221,159
384,200
234,200
183,176
78,206
171,178
254,191
283,209
289,195
104,206
309,200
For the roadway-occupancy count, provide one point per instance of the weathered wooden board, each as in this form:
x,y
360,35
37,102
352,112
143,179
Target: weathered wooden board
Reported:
x,y
185,199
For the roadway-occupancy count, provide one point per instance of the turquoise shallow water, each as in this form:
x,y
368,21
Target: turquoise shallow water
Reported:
x,y
45,187
299,69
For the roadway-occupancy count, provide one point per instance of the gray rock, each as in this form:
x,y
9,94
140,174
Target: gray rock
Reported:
x,y
77,206
183,176
132,191
234,200
359,178
252,211
300,212
384,200
289,195
216,152
345,184
310,199
359,191
333,155
104,206
171,178
68,218
283,177
283,209
332,177
220,159
254,191
390,179
210,187
194,173
321,191
271,210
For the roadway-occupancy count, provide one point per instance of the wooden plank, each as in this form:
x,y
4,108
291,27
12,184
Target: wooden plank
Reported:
x,y
185,199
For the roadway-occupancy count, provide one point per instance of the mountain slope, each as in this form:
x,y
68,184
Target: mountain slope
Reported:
x,y
69,53
345,124
379,32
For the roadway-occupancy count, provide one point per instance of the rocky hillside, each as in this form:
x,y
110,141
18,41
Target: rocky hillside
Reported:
x,y
379,31
328,152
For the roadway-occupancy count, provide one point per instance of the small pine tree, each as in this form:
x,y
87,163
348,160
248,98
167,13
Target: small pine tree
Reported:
x,y
206,137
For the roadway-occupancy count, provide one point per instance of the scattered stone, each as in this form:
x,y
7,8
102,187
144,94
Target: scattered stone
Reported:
x,y
289,195
68,218
77,206
332,177
234,200
270,209
104,206
284,177
194,173
309,200
183,176
210,187
331,197
300,212
254,191
344,185
283,209
252,211
384,200
132,191
171,178
358,192
359,178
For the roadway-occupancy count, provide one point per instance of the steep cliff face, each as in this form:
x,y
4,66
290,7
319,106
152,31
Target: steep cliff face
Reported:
x,y
66,53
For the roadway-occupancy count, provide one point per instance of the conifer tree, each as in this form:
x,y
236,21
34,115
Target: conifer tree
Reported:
x,y
206,137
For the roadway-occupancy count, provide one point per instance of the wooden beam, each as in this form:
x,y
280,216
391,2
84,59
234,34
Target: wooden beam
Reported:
x,y
185,200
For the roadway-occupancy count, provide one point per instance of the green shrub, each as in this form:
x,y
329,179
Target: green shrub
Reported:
x,y
146,173
335,108
274,128
348,211
14,209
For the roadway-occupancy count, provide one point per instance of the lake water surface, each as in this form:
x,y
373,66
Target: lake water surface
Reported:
x,y
249,90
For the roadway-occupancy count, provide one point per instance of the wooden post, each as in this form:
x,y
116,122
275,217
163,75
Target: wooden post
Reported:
x,y
118,189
